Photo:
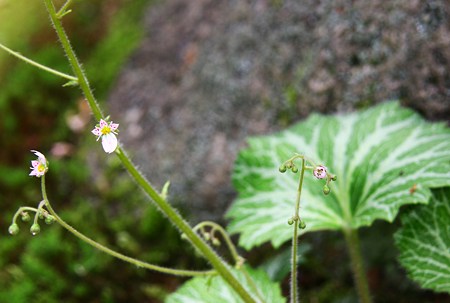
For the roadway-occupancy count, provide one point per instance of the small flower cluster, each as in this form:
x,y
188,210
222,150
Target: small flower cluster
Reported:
x,y
288,165
301,223
38,169
319,171
23,212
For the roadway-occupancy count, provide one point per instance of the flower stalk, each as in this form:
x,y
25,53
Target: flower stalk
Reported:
x,y
115,254
320,172
297,220
222,268
359,274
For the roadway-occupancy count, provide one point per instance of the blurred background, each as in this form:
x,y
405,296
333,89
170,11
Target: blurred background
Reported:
x,y
188,81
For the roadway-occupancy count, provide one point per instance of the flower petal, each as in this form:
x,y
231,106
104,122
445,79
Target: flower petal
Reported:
x,y
113,126
40,156
109,143
103,123
96,131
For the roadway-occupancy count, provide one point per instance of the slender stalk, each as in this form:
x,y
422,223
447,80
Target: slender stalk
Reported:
x,y
138,263
359,274
20,210
222,268
296,218
39,211
73,60
38,65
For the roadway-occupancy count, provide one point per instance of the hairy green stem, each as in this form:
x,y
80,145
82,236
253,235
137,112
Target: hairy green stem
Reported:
x,y
296,218
239,261
184,227
113,253
40,66
359,274
222,268
73,60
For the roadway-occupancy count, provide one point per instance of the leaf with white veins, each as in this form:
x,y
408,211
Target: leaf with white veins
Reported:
x,y
378,155
424,242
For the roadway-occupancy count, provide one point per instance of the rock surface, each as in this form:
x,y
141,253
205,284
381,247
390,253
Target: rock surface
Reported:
x,y
210,73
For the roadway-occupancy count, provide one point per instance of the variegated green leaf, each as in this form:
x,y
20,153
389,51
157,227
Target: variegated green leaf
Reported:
x,y
424,242
378,155
215,289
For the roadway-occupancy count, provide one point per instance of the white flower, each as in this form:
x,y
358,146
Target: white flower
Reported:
x,y
108,134
40,166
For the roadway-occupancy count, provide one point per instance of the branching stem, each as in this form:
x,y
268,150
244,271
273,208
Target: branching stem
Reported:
x,y
38,65
221,267
115,254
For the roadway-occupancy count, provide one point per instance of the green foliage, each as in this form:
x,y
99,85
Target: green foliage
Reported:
x,y
424,242
378,155
31,17
38,274
215,289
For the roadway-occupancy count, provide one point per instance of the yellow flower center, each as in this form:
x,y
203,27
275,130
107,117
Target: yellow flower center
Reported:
x,y
106,130
41,168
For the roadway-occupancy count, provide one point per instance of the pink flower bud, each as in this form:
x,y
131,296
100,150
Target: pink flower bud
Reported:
x,y
320,172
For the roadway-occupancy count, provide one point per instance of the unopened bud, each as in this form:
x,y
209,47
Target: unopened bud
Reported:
x,y
49,219
35,229
334,178
294,169
215,242
326,190
25,216
14,229
290,221
301,224
206,236
282,168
